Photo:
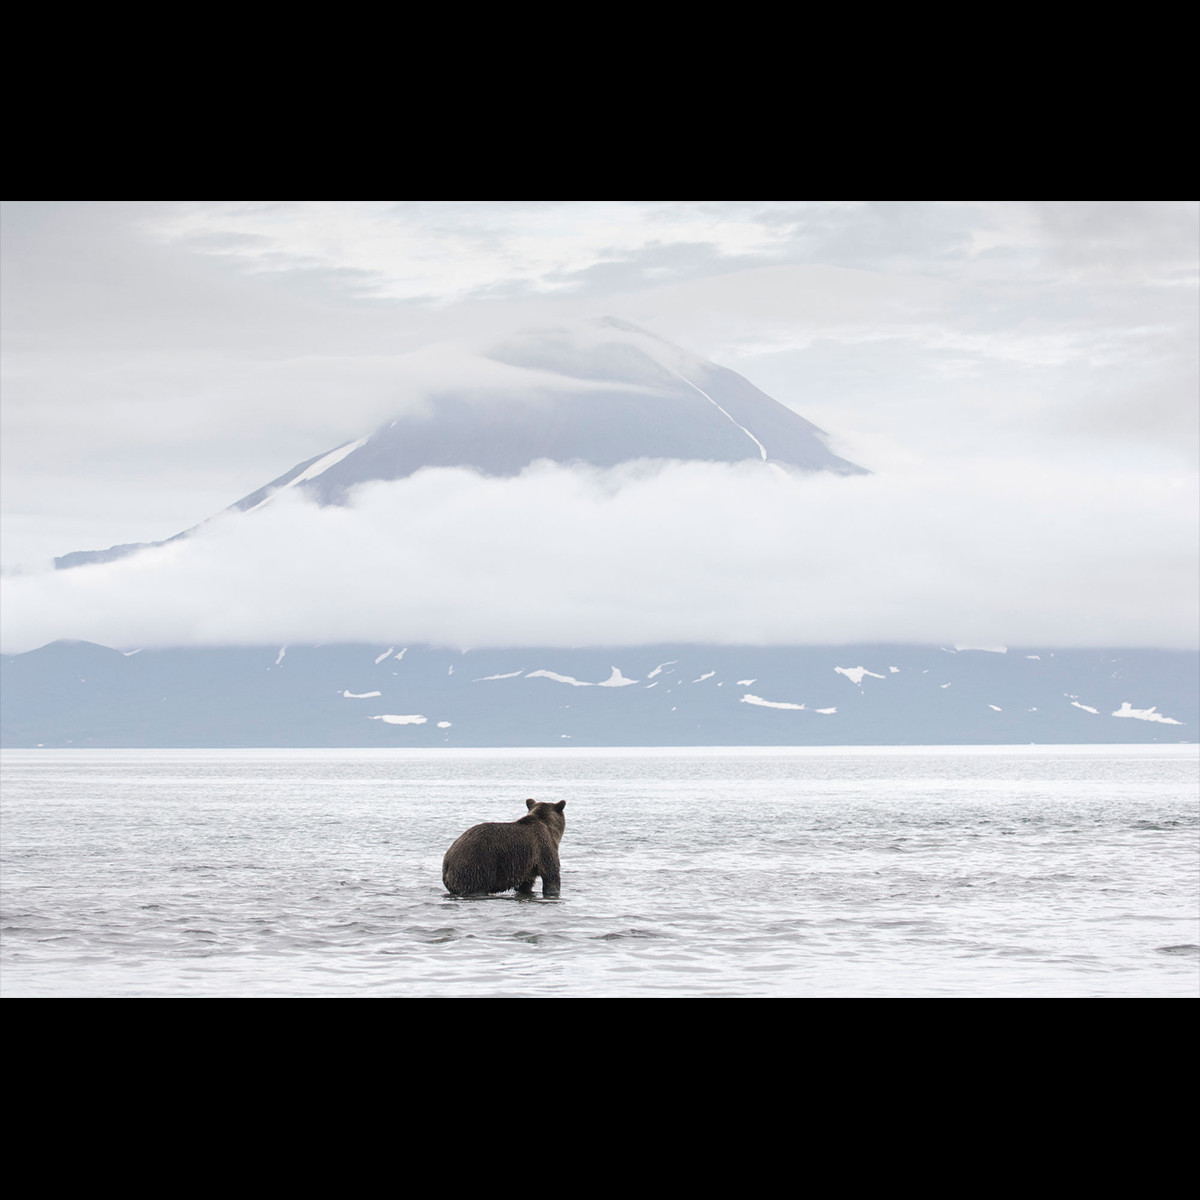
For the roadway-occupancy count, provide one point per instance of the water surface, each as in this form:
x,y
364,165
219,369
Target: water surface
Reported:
x,y
960,871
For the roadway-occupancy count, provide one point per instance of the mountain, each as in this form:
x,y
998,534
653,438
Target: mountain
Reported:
x,y
598,393
77,694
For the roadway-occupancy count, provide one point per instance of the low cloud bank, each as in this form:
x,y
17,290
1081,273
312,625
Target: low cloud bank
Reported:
x,y
683,552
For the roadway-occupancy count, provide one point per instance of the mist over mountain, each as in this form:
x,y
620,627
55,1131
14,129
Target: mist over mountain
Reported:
x,y
593,485
597,394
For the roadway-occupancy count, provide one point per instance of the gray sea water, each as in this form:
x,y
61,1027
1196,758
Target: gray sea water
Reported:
x,y
1039,871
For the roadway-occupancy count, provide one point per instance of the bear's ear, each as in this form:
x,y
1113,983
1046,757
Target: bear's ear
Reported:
x,y
561,805
530,803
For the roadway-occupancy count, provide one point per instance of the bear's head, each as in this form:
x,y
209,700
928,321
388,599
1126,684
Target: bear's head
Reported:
x,y
551,815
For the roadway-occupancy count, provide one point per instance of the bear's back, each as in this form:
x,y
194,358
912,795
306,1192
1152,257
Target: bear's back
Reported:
x,y
496,857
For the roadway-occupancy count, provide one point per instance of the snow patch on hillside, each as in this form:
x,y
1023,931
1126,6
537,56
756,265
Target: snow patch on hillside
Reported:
x,y
1144,714
855,674
616,679
748,699
558,678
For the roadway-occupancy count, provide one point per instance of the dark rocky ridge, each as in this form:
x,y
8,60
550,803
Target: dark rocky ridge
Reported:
x,y
77,694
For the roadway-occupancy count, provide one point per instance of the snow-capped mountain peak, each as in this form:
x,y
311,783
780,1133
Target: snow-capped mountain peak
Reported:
x,y
597,393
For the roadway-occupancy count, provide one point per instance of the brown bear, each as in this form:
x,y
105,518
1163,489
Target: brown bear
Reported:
x,y
499,855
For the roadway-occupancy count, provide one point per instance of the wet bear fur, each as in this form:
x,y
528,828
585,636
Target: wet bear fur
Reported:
x,y
499,856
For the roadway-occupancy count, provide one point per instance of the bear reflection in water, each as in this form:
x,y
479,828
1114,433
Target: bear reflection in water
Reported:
x,y
500,856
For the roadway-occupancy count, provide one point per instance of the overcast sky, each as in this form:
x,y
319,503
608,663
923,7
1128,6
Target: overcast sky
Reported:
x,y
1020,377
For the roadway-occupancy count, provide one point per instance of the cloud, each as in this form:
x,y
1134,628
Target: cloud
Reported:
x,y
419,250
1156,241
659,553
164,358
